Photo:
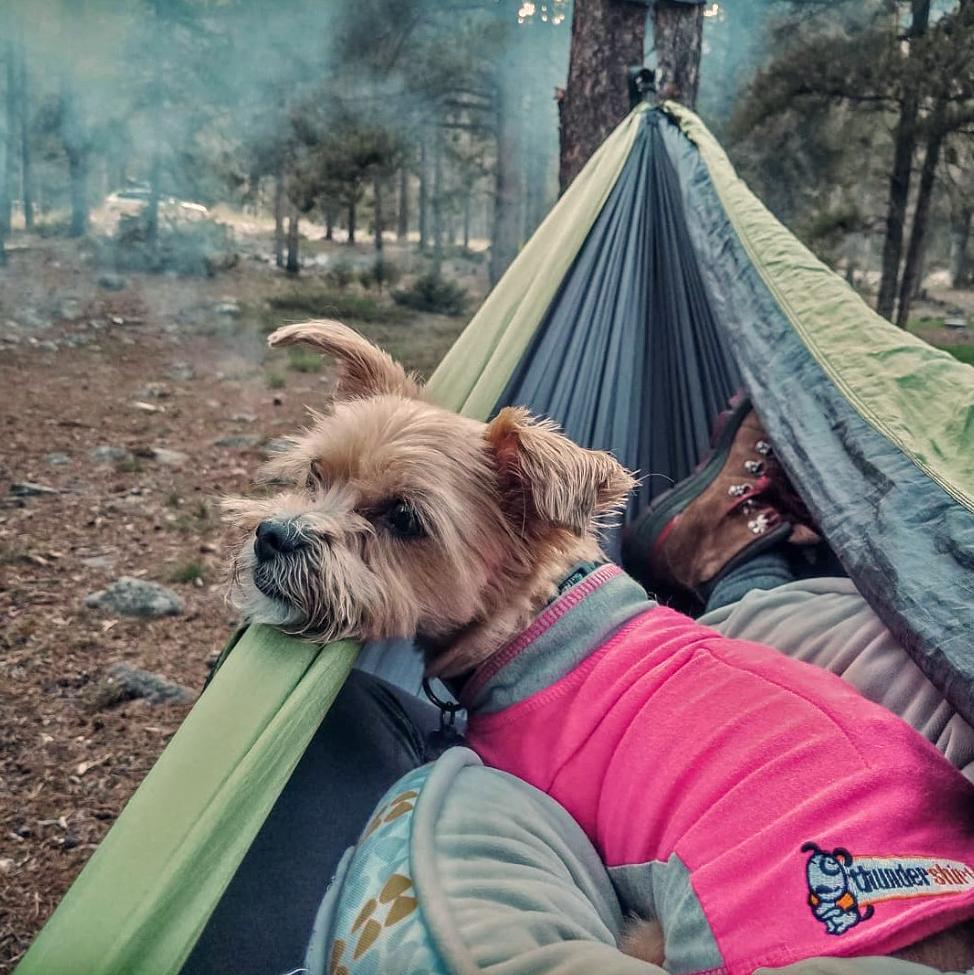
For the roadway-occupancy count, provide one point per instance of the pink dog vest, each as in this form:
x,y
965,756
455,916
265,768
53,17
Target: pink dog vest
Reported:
x,y
761,808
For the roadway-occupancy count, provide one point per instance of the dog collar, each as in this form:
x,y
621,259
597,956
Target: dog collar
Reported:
x,y
575,576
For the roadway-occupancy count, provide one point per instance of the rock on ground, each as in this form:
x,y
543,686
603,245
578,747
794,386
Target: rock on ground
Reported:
x,y
166,457
124,683
28,489
136,597
109,455
237,441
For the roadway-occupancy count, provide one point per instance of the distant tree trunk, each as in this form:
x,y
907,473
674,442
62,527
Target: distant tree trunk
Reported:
x,y
26,169
351,220
378,216
293,258
279,216
329,221
437,201
466,221
9,140
910,284
506,232
402,223
904,142
607,38
424,194
678,38
155,192
76,149
960,233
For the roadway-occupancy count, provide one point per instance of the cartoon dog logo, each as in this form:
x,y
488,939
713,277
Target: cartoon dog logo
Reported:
x,y
830,893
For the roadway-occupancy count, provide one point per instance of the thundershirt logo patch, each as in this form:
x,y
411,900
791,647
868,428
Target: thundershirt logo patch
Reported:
x,y
842,889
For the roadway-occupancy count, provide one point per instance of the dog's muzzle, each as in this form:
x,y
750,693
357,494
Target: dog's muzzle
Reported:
x,y
276,539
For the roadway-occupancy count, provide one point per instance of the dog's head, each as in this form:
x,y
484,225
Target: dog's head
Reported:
x,y
398,517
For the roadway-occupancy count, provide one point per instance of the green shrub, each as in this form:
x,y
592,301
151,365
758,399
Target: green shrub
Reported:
x,y
187,572
340,273
380,274
335,304
432,292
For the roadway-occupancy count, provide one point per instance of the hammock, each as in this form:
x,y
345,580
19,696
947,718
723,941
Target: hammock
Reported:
x,y
655,287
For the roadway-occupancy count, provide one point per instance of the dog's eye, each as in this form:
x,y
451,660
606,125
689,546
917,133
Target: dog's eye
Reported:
x,y
403,520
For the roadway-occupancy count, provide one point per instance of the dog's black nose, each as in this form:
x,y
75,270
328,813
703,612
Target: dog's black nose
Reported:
x,y
274,539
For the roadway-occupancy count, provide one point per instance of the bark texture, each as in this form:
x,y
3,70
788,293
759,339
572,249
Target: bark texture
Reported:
x,y
912,268
10,138
608,37
960,233
26,162
293,258
904,140
506,236
378,215
402,223
279,217
678,37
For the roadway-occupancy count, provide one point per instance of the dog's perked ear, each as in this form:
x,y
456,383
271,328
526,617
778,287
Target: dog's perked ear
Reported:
x,y
364,369
560,483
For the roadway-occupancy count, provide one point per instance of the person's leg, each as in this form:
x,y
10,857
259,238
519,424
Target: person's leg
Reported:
x,y
732,525
766,570
372,735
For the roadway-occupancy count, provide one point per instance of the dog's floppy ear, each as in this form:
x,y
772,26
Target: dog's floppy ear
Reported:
x,y
560,483
364,369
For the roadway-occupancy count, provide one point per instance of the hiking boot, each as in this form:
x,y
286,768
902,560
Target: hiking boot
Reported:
x,y
736,504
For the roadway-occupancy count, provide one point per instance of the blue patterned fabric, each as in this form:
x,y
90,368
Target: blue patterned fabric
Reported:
x,y
374,922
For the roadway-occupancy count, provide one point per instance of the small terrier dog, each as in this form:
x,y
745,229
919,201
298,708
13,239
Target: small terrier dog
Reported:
x,y
403,519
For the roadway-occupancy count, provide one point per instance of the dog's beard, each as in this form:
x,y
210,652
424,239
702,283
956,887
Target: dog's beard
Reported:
x,y
299,594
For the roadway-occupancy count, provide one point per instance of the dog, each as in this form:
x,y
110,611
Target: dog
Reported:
x,y
752,810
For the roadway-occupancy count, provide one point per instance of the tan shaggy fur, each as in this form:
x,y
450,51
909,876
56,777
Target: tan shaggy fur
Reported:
x,y
503,510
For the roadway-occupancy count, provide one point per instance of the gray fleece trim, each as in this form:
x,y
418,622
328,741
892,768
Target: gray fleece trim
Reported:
x,y
423,864
565,643
662,889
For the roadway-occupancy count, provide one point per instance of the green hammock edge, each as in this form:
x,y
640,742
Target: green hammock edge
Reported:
x,y
918,397
144,897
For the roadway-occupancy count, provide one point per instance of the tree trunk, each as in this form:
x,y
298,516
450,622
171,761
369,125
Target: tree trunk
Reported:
x,y
293,259
607,38
437,201
155,192
466,221
402,224
677,37
914,252
279,216
506,231
9,141
960,233
351,220
329,221
76,149
26,169
424,194
899,183
377,214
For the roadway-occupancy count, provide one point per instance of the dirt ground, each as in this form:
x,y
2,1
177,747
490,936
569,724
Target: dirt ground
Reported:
x,y
162,363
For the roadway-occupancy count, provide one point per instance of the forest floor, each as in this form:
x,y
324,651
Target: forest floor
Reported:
x,y
162,364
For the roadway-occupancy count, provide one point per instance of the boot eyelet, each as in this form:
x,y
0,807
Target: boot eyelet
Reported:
x,y
738,490
755,467
763,447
